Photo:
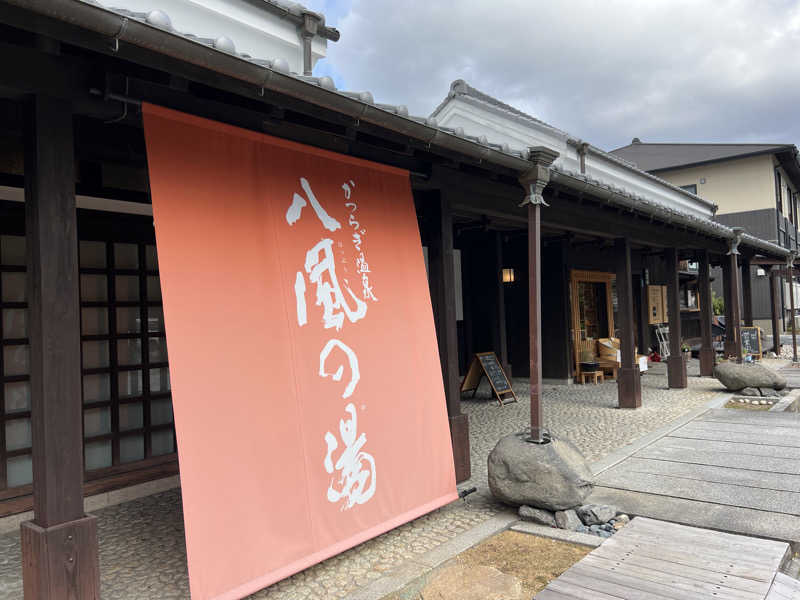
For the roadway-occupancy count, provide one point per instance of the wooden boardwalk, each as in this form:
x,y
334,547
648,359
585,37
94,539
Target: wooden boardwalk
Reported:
x,y
654,560
728,470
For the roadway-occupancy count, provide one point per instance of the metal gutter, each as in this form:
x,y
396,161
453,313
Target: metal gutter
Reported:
x,y
626,165
711,228
275,78
360,107
296,17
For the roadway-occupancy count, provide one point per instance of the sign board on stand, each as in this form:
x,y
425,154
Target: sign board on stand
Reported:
x,y
751,342
487,363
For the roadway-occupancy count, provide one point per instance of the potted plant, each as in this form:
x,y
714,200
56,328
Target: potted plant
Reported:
x,y
686,352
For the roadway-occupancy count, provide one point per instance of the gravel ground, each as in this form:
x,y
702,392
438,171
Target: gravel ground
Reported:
x,y
142,552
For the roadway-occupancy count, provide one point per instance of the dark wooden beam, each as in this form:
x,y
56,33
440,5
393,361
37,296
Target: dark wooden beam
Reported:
x,y
747,292
729,349
629,386
734,326
676,367
791,278
535,319
775,307
60,556
707,353
443,295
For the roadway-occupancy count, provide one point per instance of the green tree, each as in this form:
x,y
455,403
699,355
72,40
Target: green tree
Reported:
x,y
717,303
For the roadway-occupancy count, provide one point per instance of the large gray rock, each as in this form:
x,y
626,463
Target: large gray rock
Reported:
x,y
537,515
567,519
739,376
596,514
553,476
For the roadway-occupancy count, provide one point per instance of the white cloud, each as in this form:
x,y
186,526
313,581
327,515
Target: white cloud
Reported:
x,y
605,71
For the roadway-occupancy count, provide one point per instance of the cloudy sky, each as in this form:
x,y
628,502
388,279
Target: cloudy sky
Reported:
x,y
606,71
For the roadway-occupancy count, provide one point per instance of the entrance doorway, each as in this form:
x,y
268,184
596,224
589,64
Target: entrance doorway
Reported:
x,y
594,310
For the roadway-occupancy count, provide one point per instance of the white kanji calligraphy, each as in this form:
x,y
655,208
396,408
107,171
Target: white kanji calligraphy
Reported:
x,y
352,359
298,203
357,475
321,268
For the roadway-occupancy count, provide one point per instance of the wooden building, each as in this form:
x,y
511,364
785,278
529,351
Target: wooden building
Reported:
x,y
85,396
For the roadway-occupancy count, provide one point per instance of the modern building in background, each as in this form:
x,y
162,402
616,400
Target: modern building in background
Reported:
x,y
755,186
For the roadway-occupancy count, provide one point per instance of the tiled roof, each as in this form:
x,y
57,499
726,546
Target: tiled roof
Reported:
x,y
160,20
658,157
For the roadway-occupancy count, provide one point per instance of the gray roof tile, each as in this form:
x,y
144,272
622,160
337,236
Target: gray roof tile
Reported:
x,y
658,157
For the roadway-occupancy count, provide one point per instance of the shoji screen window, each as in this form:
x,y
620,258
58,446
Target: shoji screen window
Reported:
x,y
127,414
15,406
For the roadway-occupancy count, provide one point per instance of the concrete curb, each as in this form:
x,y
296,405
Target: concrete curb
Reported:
x,y
562,535
617,456
397,578
786,402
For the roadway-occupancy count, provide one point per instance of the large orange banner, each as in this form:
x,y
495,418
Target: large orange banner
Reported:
x,y
306,385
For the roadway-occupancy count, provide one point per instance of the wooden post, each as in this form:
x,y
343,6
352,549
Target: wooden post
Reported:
x,y
747,292
735,327
629,385
707,354
644,316
790,270
59,547
728,347
534,182
501,336
775,307
443,294
676,368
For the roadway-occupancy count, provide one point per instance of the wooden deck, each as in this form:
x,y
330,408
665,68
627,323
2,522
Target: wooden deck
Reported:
x,y
655,560
792,375
728,470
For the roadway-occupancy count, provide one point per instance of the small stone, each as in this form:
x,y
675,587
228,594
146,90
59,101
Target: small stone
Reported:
x,y
606,527
604,534
592,514
623,518
750,392
582,529
537,515
768,393
594,528
618,525
567,519
762,402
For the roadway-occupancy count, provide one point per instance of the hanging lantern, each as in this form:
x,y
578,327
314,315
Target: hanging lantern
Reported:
x,y
508,275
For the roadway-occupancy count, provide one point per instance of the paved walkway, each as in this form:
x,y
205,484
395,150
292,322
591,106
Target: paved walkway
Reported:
x,y
728,469
142,554
654,560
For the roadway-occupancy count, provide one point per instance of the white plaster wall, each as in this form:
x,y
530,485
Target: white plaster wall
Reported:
x,y
254,31
478,118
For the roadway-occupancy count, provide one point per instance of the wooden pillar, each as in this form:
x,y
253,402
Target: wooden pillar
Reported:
x,y
629,385
707,354
443,294
775,307
644,316
735,326
59,547
747,292
500,335
676,368
790,271
728,347
534,182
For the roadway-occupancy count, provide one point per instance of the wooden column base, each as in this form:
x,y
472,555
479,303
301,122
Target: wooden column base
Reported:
x,y
61,562
629,387
459,436
707,359
676,372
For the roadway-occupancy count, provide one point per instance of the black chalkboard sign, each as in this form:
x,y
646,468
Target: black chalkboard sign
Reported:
x,y
751,341
487,363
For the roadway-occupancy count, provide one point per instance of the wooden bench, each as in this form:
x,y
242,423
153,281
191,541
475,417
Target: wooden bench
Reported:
x,y
594,375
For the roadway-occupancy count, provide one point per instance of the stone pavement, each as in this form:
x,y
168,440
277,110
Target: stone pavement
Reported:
x,y
142,553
